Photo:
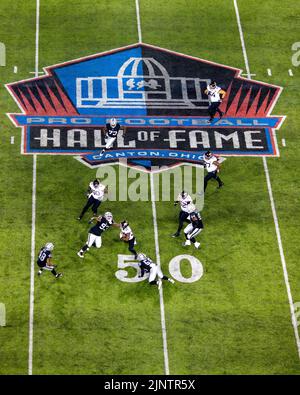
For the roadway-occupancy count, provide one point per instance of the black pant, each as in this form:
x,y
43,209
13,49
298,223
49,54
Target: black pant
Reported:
x,y
131,246
182,218
213,108
95,203
212,174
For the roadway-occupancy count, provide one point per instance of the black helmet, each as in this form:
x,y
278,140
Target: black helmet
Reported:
x,y
96,182
124,224
208,154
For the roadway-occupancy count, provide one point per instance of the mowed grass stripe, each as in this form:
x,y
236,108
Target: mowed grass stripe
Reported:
x,y
15,190
236,318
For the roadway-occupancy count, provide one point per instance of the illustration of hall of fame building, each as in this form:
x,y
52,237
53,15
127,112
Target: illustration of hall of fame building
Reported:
x,y
141,83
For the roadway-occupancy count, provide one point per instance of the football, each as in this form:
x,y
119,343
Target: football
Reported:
x,y
124,236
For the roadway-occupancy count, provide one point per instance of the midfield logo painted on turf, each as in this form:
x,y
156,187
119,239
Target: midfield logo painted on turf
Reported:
x,y
157,95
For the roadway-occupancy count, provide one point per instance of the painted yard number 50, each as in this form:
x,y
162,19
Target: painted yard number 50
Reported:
x,y
126,261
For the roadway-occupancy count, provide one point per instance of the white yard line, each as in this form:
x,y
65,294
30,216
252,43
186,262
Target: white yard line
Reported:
x,y
138,19
156,239
269,72
161,295
291,72
33,209
275,218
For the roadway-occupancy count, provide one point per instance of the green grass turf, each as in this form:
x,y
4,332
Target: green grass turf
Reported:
x,y
235,319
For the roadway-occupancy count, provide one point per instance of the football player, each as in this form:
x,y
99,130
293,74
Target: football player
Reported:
x,y
127,236
148,266
94,236
95,194
45,260
193,229
187,207
212,165
111,132
215,96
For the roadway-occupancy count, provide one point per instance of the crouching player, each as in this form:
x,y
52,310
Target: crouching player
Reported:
x,y
127,236
45,260
147,265
193,229
94,235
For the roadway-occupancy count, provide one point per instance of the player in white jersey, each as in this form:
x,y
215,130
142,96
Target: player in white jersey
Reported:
x,y
127,236
212,165
95,195
186,206
215,96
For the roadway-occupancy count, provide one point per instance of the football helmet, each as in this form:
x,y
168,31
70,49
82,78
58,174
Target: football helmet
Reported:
x,y
194,215
213,84
108,216
113,122
184,194
124,224
141,256
208,154
96,183
49,246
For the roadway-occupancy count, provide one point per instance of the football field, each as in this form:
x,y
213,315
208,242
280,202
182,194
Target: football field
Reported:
x,y
237,317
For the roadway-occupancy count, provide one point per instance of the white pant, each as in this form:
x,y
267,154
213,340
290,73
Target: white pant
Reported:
x,y
190,231
93,238
155,271
109,142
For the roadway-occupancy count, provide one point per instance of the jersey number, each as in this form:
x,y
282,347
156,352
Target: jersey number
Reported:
x,y
42,256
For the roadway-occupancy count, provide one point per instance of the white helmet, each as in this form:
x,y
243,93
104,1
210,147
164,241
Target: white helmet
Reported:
x,y
113,122
49,246
141,256
108,215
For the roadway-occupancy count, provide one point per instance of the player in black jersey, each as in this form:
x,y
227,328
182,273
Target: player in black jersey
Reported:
x,y
45,260
111,133
193,229
148,266
94,235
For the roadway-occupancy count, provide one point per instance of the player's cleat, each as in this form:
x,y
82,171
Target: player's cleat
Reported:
x,y
80,254
58,275
176,234
40,272
79,218
159,282
197,244
171,280
220,186
187,243
221,115
210,120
